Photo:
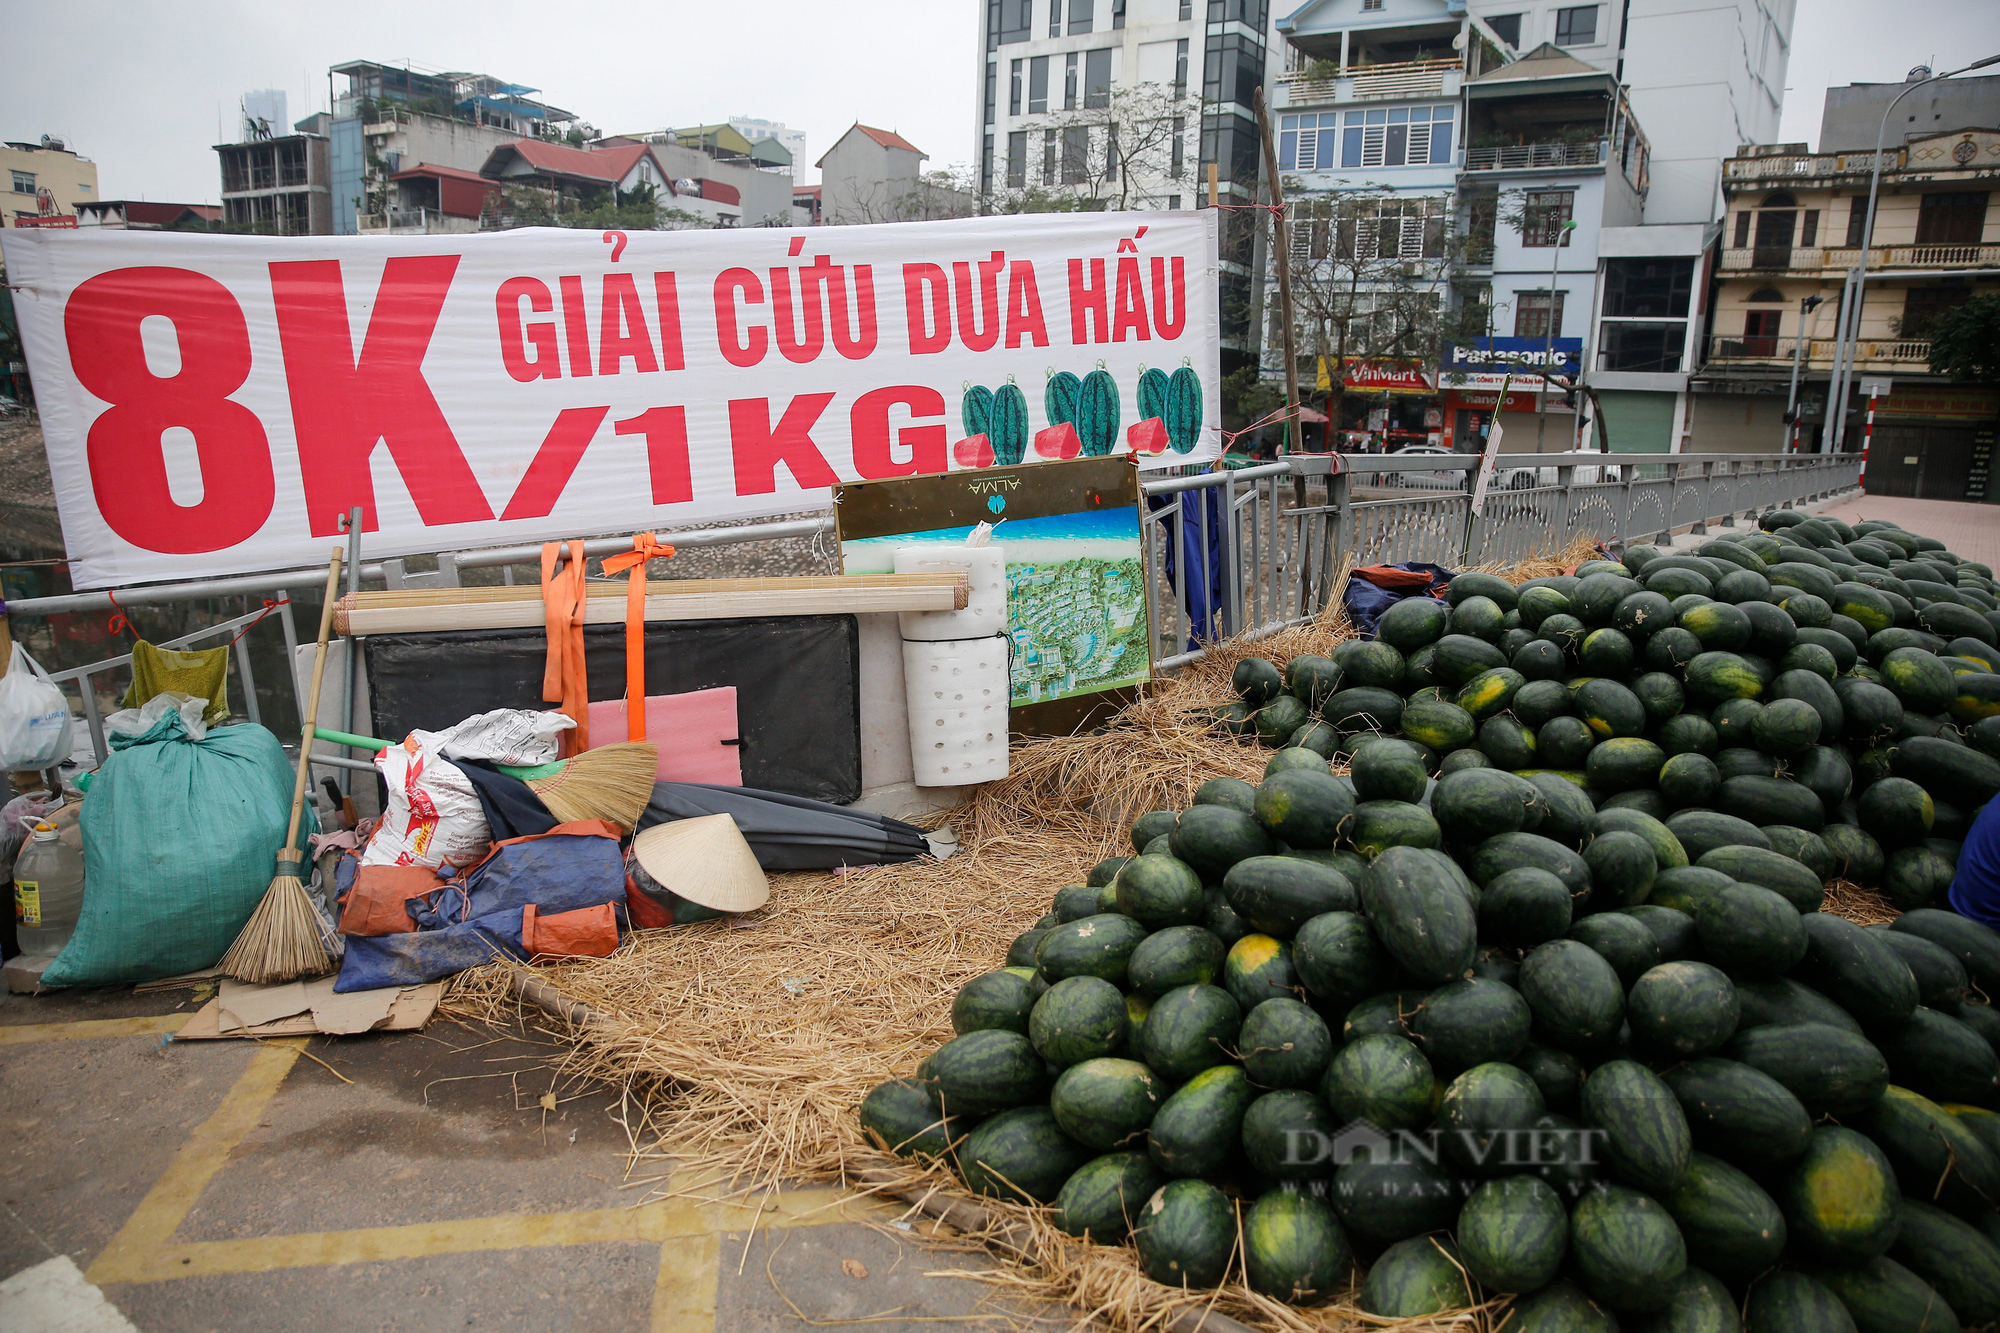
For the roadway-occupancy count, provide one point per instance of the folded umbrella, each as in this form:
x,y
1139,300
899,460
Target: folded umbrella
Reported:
x,y
792,832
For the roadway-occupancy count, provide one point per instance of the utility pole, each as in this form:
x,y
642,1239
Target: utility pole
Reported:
x,y
1549,338
1806,307
1282,233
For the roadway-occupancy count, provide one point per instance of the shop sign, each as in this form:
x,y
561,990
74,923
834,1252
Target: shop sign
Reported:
x,y
1940,403
1484,363
1361,376
214,405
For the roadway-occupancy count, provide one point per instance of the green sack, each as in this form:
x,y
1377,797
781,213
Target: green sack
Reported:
x,y
180,840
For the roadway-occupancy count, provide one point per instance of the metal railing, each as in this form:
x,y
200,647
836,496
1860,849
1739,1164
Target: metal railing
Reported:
x,y
1840,258
1524,156
1909,352
1795,166
1360,83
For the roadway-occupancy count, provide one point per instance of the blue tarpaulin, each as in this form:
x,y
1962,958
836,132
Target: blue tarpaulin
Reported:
x,y
1199,553
1373,589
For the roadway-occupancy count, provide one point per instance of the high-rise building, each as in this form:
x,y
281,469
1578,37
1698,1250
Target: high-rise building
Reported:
x,y
794,141
1127,104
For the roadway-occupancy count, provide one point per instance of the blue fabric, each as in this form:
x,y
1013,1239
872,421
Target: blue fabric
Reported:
x,y
1201,591
560,872
420,956
1975,889
1367,601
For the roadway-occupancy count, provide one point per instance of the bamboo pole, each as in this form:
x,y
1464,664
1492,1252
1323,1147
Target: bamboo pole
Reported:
x,y
1282,239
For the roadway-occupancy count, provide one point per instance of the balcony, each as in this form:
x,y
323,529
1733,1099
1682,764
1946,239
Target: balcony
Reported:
x,y
1363,83
1807,165
1530,156
1818,259
414,222
1910,354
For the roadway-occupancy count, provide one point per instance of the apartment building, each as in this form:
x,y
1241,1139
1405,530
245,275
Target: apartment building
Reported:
x,y
776,131
1794,229
45,182
1129,104
280,185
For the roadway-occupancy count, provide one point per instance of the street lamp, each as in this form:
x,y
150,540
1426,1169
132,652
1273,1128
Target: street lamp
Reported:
x,y
1549,340
1806,307
1849,330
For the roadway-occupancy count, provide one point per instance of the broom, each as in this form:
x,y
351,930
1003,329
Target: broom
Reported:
x,y
612,782
281,940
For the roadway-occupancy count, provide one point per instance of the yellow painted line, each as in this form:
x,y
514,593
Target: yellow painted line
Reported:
x,y
160,1213
684,1290
676,1220
23,1034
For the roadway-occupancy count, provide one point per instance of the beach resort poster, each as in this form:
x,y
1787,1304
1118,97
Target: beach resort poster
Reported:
x,y
1076,600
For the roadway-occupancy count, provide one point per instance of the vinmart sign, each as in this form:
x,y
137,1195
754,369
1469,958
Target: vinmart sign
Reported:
x,y
1486,363
213,404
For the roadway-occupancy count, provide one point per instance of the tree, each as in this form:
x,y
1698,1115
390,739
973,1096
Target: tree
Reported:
x,y
924,198
1965,340
1117,150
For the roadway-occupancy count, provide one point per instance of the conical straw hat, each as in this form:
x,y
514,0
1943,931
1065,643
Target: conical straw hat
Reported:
x,y
705,861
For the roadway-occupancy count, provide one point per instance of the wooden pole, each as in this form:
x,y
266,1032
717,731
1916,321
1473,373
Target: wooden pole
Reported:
x,y
1281,233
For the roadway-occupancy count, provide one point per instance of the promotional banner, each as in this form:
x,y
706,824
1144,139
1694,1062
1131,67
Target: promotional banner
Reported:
x,y
213,404
1484,363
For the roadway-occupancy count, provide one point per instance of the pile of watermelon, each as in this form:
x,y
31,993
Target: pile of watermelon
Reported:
x,y
1539,999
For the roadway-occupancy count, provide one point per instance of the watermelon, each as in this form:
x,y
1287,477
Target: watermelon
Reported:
x,y
1339,959
899,1116
1189,1029
1485,1116
1293,1248
1385,1195
1159,891
997,999
1099,1201
1438,726
1794,1303
1831,1071
1413,623
1258,968
1383,1080
1702,831
1078,1019
1105,1104
1524,908
1565,742
1021,1155
1414,1277
1185,1234
1941,979
1151,825
1896,811
1784,876
1379,825
1220,920
1007,424
1935,1154
1510,851
1364,709
1096,946
1679,1010
1626,1250
1858,972
1389,770
1422,917
1960,1263
1304,807
1840,1198
1471,1022
1914,877
1685,889
1212,838
1513,1233
1275,895
1622,866
1177,956
1560,1307
988,1070
1882,1294
1558,1074
1764,800
1284,1044
1857,856
1731,1226
1646,1137
1739,1112
1184,416
1574,995
1943,1059
1197,1130
1771,1001
1623,941
1288,1135
1973,944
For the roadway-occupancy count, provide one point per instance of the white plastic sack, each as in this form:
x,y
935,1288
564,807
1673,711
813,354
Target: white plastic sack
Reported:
x,y
34,716
138,721
517,737
434,818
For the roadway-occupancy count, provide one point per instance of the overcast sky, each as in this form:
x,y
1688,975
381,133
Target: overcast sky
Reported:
x,y
140,87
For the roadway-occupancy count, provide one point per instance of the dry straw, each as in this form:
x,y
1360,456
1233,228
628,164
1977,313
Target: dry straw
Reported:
x,y
748,1044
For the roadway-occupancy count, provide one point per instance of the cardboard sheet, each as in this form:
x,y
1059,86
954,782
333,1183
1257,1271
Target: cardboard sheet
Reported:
x,y
319,1013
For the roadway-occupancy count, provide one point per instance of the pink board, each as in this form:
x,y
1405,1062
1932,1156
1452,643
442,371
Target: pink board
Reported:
x,y
696,734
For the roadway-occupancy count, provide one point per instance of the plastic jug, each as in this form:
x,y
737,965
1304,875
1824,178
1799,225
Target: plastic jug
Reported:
x,y
48,891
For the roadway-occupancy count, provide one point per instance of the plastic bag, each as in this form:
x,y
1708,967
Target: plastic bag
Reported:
x,y
518,737
434,817
138,721
34,716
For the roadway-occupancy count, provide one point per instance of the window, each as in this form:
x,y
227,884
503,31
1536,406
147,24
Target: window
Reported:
x,y
1951,218
1765,296
1538,314
1543,217
1076,155
1922,305
1371,4
1640,346
1742,231
1406,136
1809,227
1174,203
1014,90
24,182
1017,160
1187,10
1097,78
1055,18
1069,82
1038,85
1180,66
1117,13
1177,160
1507,27
1376,229
1577,27
1775,228
1048,157
1080,16
991,95
1017,20
1303,145
1648,288
1760,332
1857,221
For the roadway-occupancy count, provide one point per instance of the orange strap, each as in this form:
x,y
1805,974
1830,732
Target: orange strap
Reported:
x,y
563,681
644,547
